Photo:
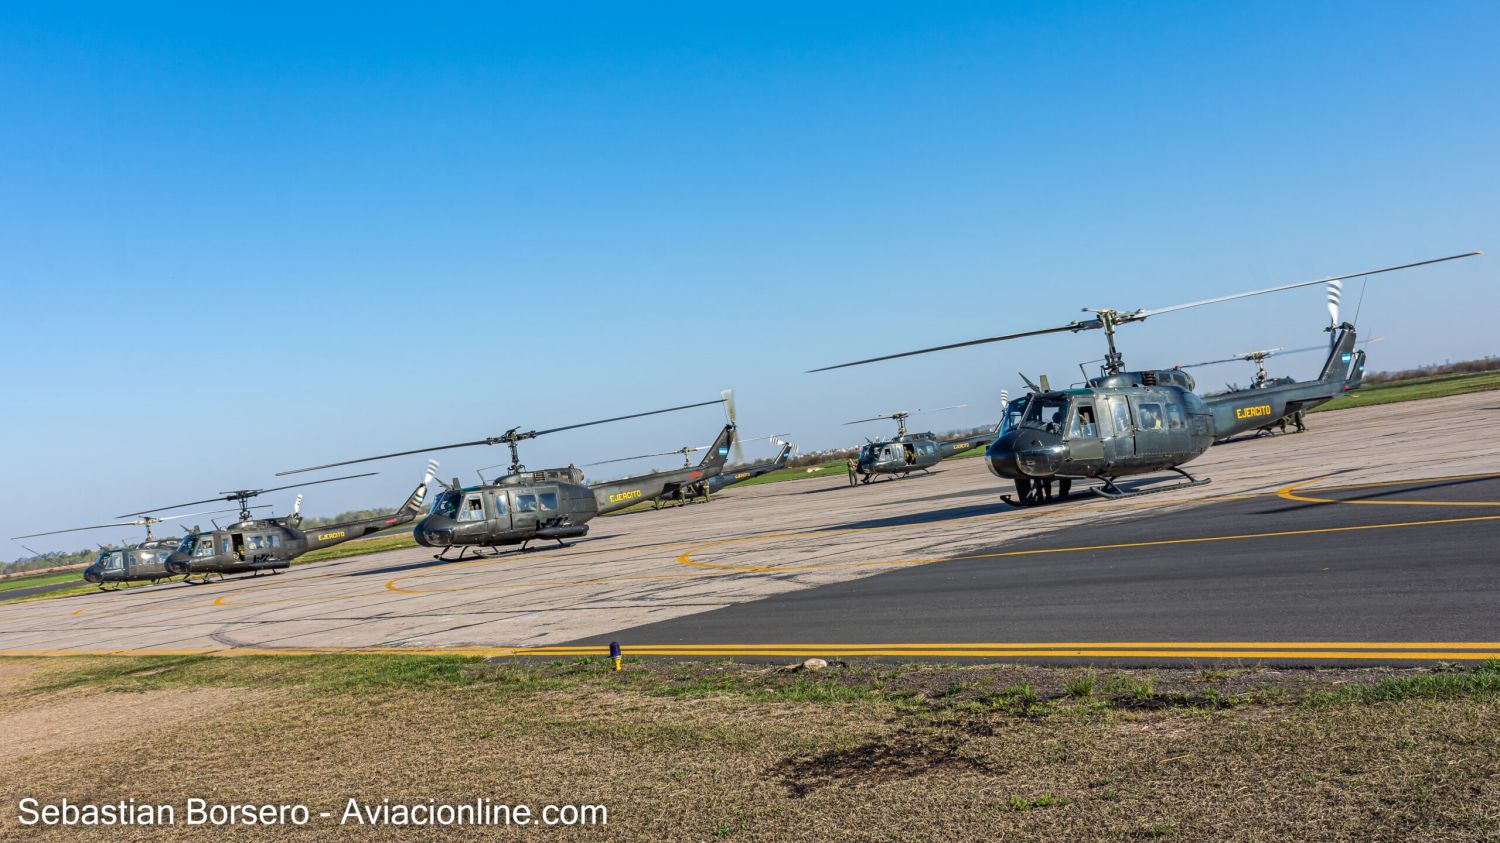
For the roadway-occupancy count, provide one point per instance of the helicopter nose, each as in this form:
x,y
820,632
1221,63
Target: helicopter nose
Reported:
x,y
434,531
176,563
1026,453
91,574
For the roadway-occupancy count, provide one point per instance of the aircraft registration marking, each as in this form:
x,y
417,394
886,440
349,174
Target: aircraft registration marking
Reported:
x,y
1252,412
323,537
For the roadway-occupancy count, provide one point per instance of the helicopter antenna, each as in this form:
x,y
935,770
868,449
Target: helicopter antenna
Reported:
x,y
242,496
510,437
1108,319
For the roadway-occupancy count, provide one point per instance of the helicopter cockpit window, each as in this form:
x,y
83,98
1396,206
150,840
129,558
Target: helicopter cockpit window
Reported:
x,y
206,546
1084,425
186,545
1045,414
525,503
473,509
1013,412
548,500
115,562
1151,417
447,504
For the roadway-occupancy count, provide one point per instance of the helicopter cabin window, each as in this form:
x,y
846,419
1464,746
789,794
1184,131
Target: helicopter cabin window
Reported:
x,y
257,542
206,546
499,503
548,501
1151,417
273,540
1045,414
473,509
1084,425
116,562
1120,415
1174,417
525,503
228,545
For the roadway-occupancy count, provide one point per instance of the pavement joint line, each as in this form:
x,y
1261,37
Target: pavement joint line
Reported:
x,y
687,559
1414,651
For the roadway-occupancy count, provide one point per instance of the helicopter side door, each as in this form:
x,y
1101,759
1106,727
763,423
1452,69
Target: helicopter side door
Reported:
x,y
1083,432
523,509
1118,428
1152,437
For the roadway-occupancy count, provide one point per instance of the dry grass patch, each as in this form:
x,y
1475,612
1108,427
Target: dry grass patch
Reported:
x,y
696,751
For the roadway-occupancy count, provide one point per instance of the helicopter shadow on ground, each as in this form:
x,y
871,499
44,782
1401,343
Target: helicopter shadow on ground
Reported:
x,y
514,552
1391,491
871,484
916,518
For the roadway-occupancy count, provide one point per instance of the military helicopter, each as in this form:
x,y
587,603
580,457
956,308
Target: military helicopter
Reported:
x,y
1263,378
252,545
707,481
524,506
728,478
1123,423
142,562
909,452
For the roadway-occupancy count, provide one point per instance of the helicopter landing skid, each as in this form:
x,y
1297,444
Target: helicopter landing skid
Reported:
x,y
1113,492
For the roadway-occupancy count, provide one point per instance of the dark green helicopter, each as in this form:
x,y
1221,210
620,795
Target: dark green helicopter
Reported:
x,y
909,452
548,504
143,562
1263,379
706,484
1123,423
252,545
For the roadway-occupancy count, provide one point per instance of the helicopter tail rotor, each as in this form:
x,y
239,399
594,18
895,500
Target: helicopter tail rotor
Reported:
x,y
739,454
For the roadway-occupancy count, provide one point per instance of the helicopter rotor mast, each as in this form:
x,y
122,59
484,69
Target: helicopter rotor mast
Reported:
x,y
1109,319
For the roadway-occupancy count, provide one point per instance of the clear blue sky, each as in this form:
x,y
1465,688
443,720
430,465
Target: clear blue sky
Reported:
x,y
239,241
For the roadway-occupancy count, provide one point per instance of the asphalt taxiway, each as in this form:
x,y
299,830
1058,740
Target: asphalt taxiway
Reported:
x,y
1260,562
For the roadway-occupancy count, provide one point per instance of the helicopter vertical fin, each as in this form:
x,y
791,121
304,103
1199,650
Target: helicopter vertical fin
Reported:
x,y
718,452
1356,377
1341,357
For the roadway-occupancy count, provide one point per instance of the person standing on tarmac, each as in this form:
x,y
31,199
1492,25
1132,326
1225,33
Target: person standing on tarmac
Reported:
x,y
853,475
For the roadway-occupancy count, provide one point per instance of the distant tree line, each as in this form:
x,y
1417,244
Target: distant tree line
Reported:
x,y
1463,367
56,559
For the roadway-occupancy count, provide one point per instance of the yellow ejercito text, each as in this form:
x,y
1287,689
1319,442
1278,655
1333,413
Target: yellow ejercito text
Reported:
x,y
1252,412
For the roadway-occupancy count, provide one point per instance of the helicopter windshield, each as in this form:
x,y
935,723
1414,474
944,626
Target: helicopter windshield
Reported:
x,y
186,545
1013,412
1046,413
447,504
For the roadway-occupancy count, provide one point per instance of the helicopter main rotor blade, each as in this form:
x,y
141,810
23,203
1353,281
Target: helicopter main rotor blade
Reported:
x,y
623,418
493,440
139,522
1073,327
1138,315
248,493
389,456
677,452
1157,311
76,530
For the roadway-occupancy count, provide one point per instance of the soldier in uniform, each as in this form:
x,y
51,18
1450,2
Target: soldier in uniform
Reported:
x,y
850,465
